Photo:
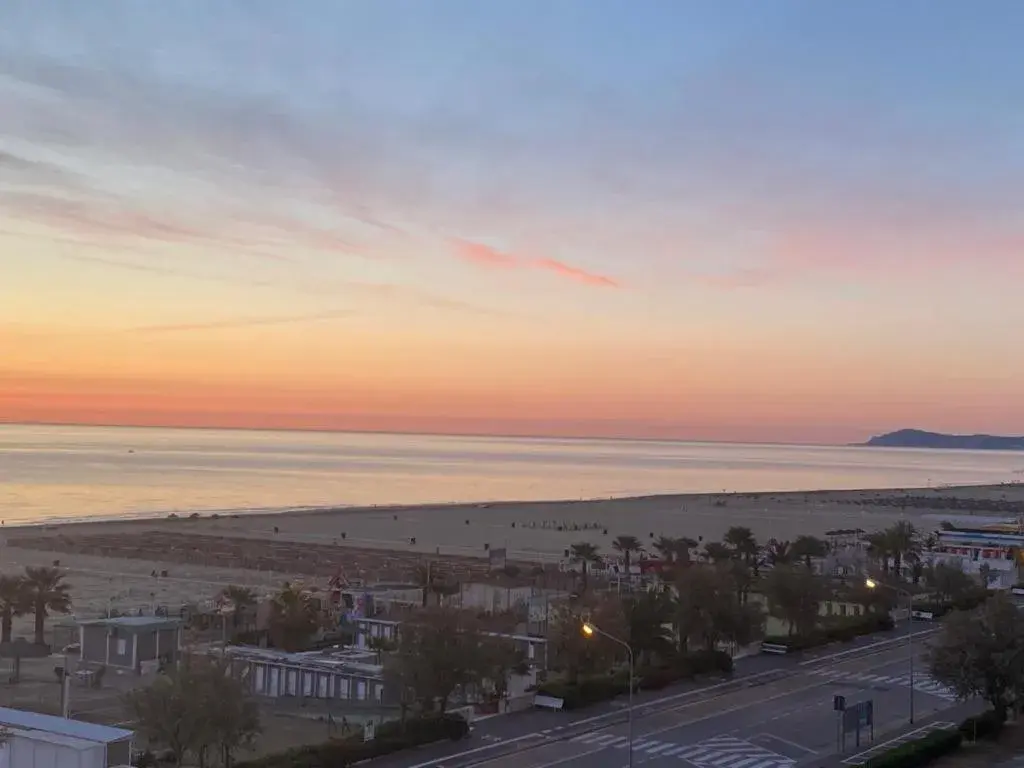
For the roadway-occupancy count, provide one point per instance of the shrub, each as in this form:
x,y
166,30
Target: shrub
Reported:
x,y
590,690
920,752
390,737
987,725
861,625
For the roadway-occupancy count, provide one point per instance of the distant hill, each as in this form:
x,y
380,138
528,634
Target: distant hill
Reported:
x,y
916,438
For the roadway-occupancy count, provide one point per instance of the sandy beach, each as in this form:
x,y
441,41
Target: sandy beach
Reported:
x,y
112,564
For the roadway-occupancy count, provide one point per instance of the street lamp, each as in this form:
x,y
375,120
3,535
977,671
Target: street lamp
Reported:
x,y
872,584
589,631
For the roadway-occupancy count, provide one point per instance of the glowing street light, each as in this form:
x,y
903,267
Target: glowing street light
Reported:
x,y
590,631
873,584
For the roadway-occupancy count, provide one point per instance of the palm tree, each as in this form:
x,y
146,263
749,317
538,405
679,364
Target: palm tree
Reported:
x,y
584,553
12,603
293,619
743,544
808,547
879,546
647,618
666,547
46,591
903,543
779,552
717,552
241,599
626,546
795,596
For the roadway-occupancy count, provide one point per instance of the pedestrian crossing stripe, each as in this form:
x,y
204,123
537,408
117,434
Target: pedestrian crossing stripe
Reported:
x,y
923,683
717,752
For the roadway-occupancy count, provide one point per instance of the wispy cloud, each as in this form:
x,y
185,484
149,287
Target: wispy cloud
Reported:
x,y
486,256
243,322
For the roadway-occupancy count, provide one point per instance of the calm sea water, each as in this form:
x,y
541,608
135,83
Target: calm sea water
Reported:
x,y
83,472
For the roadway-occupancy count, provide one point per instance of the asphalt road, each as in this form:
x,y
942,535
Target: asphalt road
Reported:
x,y
777,713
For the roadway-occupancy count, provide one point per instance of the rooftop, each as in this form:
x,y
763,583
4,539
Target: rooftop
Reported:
x,y
133,622
103,734
332,660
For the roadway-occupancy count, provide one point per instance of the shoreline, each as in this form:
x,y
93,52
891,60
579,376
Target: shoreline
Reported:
x,y
261,513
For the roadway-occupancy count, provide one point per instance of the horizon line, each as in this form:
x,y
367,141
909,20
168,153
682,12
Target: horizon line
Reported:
x,y
423,433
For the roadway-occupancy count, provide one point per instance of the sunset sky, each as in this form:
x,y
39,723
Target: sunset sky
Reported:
x,y
744,220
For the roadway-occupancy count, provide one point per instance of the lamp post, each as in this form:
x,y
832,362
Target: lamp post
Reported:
x,y
589,630
872,584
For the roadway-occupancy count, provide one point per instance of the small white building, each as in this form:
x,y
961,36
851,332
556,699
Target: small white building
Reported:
x,y
45,741
342,675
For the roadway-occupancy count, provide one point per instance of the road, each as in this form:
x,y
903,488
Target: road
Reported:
x,y
781,717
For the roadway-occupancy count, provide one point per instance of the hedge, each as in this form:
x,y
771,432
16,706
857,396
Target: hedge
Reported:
x,y
592,689
966,602
987,725
919,752
863,625
390,737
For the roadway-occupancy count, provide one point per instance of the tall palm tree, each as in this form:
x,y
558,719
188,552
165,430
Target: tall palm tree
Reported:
x,y
626,546
12,603
241,599
741,540
903,542
879,546
717,552
666,547
585,554
779,552
293,619
46,591
808,547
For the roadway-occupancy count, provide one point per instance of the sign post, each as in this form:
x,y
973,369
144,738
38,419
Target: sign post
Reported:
x,y
839,704
856,718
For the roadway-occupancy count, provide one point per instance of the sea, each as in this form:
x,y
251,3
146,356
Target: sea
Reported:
x,y
58,473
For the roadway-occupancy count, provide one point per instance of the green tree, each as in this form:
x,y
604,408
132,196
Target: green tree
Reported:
x,y
717,552
195,707
569,650
903,543
626,546
14,601
584,554
499,659
807,548
437,653
649,616
242,600
779,552
879,547
666,547
947,582
795,596
981,653
294,619
708,610
46,592
741,541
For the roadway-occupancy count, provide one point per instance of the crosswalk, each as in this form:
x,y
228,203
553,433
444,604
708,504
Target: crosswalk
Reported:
x,y
717,752
922,682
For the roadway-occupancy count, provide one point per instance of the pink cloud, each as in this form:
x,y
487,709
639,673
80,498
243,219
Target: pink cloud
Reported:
x,y
486,256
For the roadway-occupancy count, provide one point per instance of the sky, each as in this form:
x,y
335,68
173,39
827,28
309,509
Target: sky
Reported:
x,y
788,221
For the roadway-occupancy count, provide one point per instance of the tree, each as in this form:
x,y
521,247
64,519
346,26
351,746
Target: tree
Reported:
x,y
293,619
648,617
708,609
500,658
380,646
779,552
666,547
13,602
193,708
879,546
981,653
626,546
584,554
741,541
808,547
242,600
46,591
717,552
570,650
948,582
795,596
902,542
437,653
